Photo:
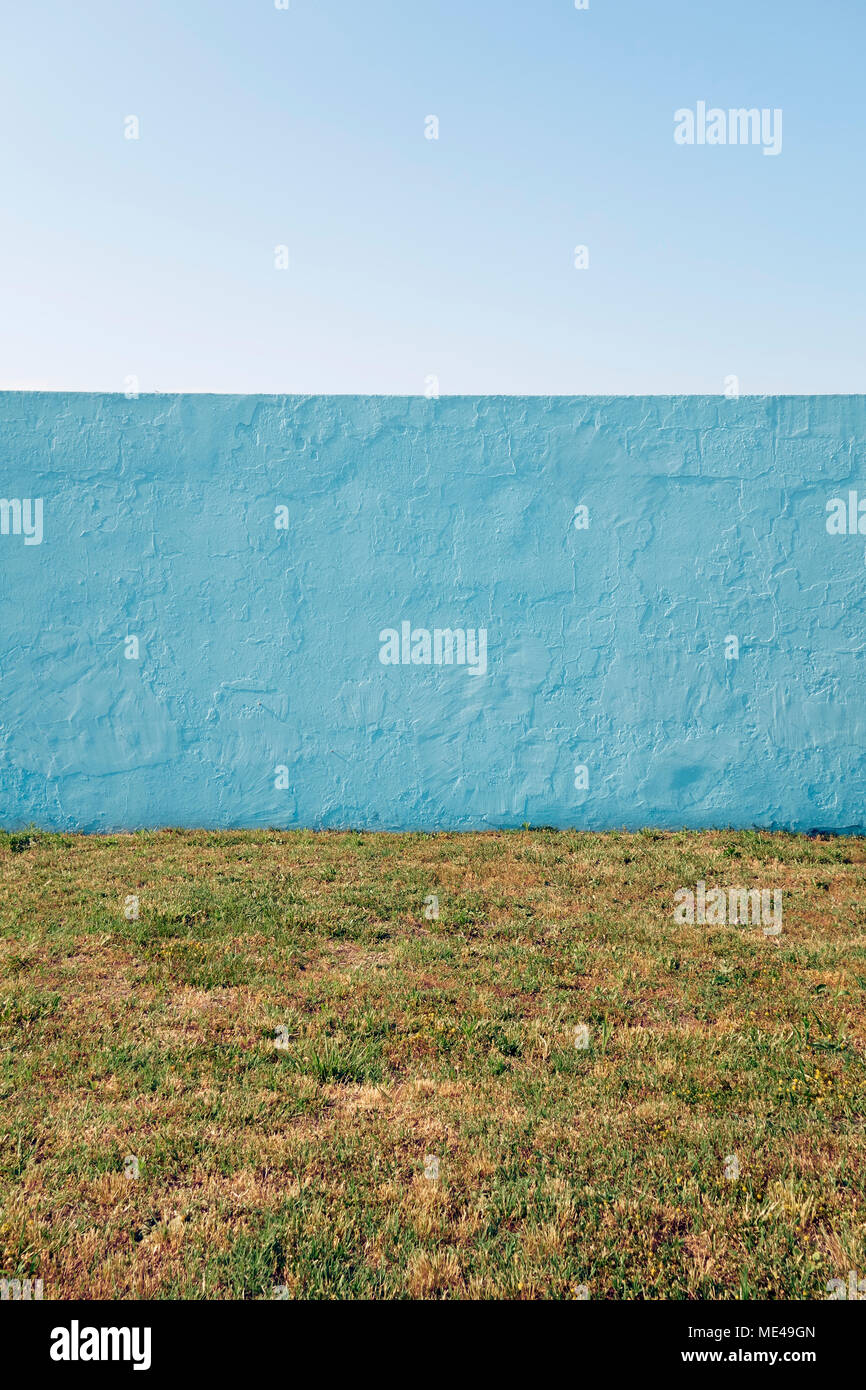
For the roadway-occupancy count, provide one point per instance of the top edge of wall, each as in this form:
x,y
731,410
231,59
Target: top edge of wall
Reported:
x,y
445,395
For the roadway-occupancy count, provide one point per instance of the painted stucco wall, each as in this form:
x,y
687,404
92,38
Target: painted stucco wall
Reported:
x,y
258,696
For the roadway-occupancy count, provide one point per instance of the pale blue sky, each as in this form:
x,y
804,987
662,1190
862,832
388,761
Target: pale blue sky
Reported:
x,y
411,257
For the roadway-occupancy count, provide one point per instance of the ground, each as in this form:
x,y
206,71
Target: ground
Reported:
x,y
284,1041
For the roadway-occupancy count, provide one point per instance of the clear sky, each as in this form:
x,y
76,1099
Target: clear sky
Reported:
x,y
410,257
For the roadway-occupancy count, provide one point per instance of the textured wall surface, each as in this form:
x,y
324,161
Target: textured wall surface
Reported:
x,y
258,547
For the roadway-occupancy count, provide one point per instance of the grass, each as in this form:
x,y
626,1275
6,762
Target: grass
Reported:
x,y
284,1036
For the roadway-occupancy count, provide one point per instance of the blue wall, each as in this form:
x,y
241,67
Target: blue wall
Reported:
x,y
259,647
